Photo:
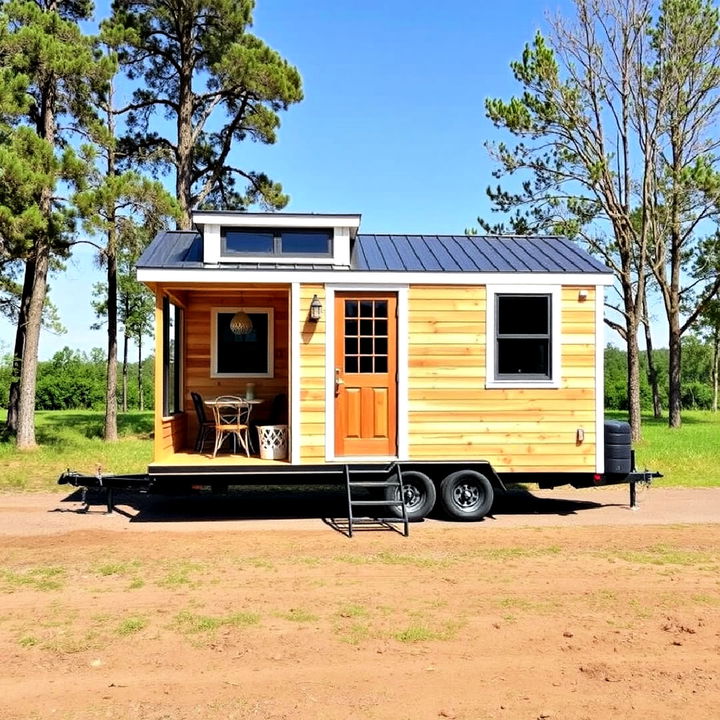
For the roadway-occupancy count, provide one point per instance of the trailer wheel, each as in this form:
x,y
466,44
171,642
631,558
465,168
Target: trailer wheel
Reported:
x,y
466,495
419,495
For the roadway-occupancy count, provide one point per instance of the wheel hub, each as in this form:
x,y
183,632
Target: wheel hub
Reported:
x,y
412,496
467,495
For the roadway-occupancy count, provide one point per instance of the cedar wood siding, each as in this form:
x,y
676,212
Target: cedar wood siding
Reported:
x,y
197,337
170,432
452,416
312,377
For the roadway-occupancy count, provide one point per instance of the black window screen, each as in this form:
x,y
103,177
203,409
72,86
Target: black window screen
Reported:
x,y
242,354
523,337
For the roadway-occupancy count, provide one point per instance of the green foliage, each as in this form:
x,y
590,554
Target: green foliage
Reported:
x,y
197,62
696,376
73,380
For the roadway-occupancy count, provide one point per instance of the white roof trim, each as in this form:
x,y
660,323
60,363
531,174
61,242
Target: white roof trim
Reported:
x,y
276,220
260,277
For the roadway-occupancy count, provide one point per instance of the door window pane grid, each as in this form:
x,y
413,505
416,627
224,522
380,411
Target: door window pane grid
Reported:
x,y
366,340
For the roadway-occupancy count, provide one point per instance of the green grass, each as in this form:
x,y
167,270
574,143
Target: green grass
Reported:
x,y
73,439
686,456
130,625
422,633
188,623
39,578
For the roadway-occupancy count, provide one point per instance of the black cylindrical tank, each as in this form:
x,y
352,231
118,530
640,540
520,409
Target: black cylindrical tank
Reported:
x,y
618,447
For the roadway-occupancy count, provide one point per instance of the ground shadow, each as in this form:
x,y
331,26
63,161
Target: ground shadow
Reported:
x,y
521,501
325,503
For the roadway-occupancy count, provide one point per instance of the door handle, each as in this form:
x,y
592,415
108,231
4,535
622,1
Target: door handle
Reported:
x,y
338,380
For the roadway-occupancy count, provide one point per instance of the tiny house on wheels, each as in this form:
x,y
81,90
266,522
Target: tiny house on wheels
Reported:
x,y
435,368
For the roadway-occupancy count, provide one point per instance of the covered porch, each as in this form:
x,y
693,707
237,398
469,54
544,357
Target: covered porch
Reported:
x,y
197,352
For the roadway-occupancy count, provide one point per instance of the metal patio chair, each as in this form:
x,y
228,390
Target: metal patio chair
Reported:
x,y
231,420
206,425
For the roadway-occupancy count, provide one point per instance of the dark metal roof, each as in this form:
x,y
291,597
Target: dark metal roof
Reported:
x,y
173,249
176,249
462,253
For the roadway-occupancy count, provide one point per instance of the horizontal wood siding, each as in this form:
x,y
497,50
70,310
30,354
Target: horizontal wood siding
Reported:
x,y
453,416
172,438
197,356
312,377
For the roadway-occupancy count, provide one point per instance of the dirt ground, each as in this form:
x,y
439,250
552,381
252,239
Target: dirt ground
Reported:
x,y
562,604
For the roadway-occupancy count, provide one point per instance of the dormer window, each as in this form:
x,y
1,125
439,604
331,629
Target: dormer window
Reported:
x,y
276,243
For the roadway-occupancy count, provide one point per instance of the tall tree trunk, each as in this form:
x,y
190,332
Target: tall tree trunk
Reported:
x,y
37,284
652,372
633,380
28,371
111,432
674,370
183,183
125,372
20,334
632,307
715,367
141,399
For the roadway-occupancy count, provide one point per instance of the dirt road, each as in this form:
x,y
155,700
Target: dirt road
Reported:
x,y
563,604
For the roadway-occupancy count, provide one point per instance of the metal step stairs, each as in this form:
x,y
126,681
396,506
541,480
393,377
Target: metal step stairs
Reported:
x,y
386,520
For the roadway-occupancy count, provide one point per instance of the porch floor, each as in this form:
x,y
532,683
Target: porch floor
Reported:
x,y
190,458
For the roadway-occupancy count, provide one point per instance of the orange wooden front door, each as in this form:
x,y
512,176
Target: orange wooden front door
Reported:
x,y
365,374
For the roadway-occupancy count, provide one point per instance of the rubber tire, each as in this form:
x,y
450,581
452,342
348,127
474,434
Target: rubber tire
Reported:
x,y
466,508
420,495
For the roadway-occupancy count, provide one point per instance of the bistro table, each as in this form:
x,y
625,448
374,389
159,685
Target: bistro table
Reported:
x,y
238,401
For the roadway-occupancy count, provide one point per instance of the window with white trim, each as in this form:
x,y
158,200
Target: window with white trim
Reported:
x,y
282,242
246,355
172,344
523,347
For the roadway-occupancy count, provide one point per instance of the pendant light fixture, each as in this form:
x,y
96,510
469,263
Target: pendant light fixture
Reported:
x,y
241,324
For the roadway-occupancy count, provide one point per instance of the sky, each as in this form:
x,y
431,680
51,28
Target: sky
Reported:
x,y
392,125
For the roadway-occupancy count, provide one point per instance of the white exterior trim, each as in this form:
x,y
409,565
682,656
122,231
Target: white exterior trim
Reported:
x,y
555,335
599,379
402,367
270,312
294,379
374,279
276,220
329,374
403,370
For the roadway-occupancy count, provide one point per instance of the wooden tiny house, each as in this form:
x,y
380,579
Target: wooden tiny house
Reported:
x,y
427,349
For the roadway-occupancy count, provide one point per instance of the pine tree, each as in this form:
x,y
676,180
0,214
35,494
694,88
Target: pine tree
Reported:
x,y
200,67
42,43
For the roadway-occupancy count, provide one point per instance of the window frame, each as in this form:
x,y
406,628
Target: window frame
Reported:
x,y
492,378
214,355
276,252
172,384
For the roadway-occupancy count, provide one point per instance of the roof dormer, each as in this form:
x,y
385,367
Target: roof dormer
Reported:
x,y
278,238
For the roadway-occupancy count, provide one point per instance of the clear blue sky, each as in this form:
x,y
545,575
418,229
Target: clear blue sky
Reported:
x,y
392,125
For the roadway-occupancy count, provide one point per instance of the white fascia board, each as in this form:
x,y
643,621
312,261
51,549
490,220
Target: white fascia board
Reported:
x,y
599,379
295,374
276,220
222,275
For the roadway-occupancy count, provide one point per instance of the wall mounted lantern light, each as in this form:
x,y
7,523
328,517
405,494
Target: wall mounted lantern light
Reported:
x,y
241,324
315,309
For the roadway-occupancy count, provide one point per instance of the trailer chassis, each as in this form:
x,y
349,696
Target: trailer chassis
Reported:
x,y
461,478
